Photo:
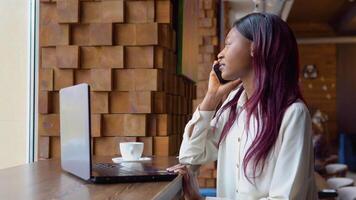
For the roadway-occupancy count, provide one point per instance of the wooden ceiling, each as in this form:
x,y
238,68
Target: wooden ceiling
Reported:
x,y
323,17
315,10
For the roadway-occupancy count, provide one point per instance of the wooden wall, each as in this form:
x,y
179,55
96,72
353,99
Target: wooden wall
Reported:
x,y
346,88
126,52
190,38
208,42
208,45
320,93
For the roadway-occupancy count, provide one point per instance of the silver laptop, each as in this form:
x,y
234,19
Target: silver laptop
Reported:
x,y
76,157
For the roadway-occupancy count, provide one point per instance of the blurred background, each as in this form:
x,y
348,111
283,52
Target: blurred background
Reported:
x,y
148,62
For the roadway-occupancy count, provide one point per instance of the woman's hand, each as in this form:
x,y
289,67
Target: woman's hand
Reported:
x,y
216,91
190,183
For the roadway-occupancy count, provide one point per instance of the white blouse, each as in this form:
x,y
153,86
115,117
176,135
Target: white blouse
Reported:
x,y
289,167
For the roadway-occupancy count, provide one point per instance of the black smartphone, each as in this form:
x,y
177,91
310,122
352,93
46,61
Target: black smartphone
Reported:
x,y
218,73
327,193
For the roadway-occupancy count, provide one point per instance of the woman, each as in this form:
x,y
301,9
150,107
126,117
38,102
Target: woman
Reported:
x,y
261,135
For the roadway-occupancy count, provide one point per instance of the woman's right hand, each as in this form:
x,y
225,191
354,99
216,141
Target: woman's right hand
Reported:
x,y
216,91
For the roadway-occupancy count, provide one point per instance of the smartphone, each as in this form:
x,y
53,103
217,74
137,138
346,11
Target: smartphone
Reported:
x,y
327,193
218,73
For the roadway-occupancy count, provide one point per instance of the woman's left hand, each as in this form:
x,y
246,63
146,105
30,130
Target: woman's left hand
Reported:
x,y
190,182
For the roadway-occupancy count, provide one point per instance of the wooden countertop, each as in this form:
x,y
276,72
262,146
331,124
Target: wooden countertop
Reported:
x,y
45,180
320,182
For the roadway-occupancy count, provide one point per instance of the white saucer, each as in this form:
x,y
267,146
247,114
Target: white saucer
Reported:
x,y
120,159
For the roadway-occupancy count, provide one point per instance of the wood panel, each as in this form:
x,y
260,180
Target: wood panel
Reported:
x,y
346,87
202,46
191,38
320,93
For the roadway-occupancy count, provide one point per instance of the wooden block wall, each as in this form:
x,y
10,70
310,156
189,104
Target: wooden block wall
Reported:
x,y
208,50
207,175
208,46
126,52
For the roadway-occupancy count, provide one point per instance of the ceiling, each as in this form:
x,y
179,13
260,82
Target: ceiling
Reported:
x,y
323,17
315,10
307,18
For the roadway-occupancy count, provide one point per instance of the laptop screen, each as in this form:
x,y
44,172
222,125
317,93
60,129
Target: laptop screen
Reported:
x,y
74,130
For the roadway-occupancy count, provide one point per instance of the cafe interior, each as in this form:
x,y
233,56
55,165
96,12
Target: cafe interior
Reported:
x,y
135,71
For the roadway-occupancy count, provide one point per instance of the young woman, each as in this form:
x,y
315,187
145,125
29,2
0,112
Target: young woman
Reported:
x,y
261,135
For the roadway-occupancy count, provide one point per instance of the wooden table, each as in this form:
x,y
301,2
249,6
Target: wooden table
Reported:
x,y
320,182
45,180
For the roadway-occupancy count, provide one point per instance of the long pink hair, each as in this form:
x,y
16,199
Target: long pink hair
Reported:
x,y
275,63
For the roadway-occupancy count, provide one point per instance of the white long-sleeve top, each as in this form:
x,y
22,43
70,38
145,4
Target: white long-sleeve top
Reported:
x,y
289,169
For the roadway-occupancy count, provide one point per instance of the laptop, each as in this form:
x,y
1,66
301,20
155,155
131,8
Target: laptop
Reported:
x,y
76,156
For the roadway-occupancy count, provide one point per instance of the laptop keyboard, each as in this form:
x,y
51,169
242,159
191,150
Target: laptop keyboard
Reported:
x,y
106,165
111,168
117,169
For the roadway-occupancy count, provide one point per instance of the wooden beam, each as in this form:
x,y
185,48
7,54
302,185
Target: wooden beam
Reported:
x,y
327,40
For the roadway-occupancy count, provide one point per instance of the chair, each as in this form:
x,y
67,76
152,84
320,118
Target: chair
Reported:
x,y
207,192
339,182
347,193
336,170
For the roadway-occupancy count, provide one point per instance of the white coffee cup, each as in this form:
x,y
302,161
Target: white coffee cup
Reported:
x,y
131,150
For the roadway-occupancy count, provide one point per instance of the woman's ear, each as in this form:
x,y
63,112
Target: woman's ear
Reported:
x,y
251,49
